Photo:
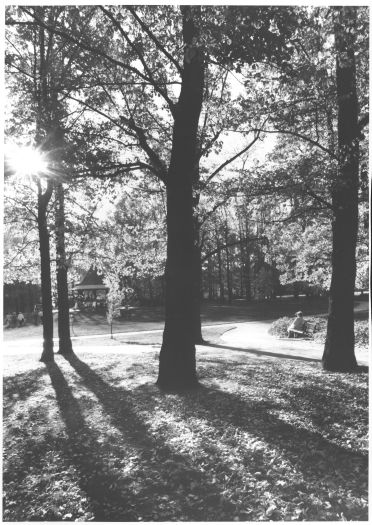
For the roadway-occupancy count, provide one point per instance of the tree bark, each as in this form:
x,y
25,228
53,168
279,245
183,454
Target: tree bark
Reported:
x,y
177,365
65,345
220,272
46,281
197,284
228,271
339,352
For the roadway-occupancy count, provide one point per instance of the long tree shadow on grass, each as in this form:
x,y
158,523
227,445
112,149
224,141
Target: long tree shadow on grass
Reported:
x,y
311,452
108,491
165,474
324,464
21,386
263,352
359,368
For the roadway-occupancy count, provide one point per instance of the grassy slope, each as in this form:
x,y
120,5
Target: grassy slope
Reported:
x,y
263,439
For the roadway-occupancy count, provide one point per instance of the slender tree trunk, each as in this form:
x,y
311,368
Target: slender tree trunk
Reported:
x,y
210,280
247,264
228,272
151,293
177,364
339,352
220,272
65,345
46,281
247,275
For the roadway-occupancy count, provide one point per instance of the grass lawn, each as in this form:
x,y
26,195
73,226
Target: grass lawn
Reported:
x,y
262,439
152,318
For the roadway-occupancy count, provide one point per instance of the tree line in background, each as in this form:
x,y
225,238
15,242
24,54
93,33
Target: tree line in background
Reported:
x,y
151,119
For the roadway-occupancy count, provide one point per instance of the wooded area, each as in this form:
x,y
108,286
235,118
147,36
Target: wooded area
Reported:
x,y
189,153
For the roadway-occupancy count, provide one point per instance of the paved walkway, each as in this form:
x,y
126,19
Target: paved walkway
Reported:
x,y
254,337
251,337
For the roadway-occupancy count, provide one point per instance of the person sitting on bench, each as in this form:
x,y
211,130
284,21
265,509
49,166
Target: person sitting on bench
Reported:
x,y
298,326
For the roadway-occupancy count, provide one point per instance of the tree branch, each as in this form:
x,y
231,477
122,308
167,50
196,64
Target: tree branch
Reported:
x,y
158,44
231,159
232,243
300,136
91,49
364,120
149,73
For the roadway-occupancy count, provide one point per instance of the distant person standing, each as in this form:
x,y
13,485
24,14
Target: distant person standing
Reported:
x,y
297,326
14,320
35,315
21,319
8,321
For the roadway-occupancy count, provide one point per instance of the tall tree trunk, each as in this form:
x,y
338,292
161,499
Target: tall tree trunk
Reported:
x,y
220,272
339,352
197,325
211,287
228,272
247,264
46,281
65,345
177,364
247,275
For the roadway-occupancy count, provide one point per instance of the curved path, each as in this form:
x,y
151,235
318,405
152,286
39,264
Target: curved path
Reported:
x,y
249,337
254,337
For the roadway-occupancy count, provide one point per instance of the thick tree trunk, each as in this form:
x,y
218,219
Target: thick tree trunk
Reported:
x,y
46,282
65,345
339,352
197,284
177,365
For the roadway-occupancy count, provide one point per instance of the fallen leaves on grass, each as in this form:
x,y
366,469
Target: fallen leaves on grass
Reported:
x,y
261,440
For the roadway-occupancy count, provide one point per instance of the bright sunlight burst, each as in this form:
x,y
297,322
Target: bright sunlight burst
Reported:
x,y
26,160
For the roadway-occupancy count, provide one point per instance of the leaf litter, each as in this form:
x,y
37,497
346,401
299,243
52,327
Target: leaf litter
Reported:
x,y
260,440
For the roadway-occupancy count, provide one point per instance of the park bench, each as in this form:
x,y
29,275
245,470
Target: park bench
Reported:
x,y
127,311
308,330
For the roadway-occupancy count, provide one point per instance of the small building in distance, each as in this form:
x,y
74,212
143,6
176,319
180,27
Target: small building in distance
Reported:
x,y
91,291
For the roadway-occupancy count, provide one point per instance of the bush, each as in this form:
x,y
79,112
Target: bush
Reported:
x,y
361,329
279,328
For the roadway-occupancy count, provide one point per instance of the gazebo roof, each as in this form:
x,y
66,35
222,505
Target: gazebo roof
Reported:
x,y
91,281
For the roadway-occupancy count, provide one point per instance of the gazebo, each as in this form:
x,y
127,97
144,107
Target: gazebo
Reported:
x,y
91,291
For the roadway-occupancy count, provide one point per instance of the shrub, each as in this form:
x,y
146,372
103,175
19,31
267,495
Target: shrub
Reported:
x,y
361,329
279,328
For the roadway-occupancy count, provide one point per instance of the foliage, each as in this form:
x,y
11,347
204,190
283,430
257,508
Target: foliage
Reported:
x,y
109,446
114,297
362,331
279,328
